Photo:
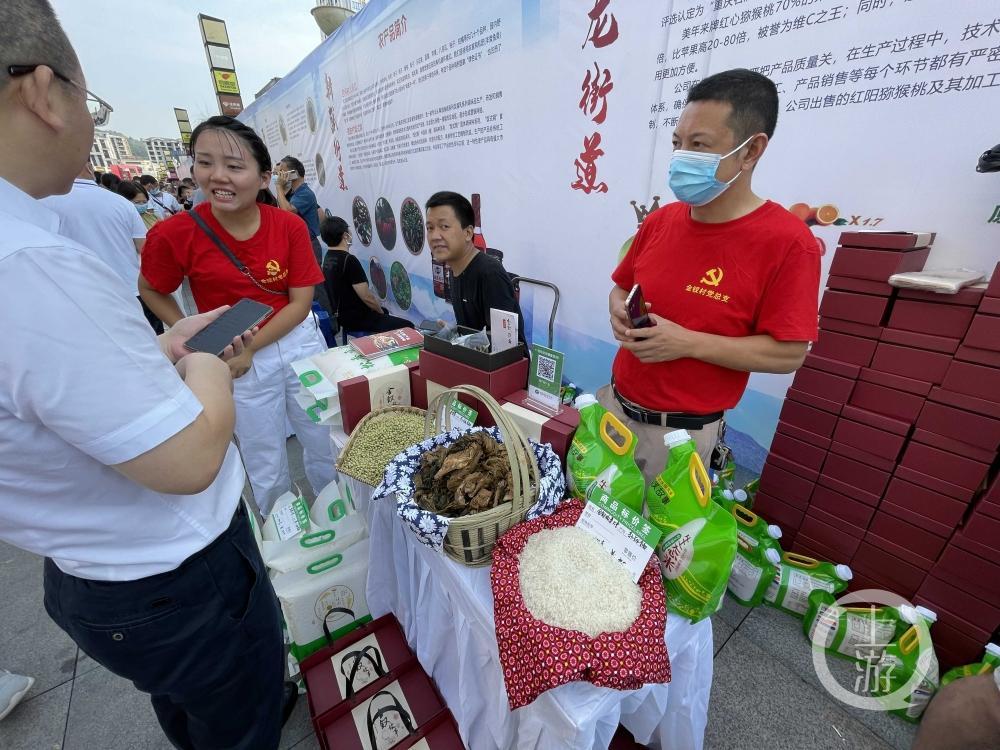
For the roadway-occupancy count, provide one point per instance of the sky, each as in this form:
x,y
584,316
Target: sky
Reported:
x,y
147,58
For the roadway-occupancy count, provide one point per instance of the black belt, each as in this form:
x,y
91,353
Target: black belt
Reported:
x,y
680,420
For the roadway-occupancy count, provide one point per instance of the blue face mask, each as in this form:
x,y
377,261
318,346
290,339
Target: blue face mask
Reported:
x,y
141,207
692,175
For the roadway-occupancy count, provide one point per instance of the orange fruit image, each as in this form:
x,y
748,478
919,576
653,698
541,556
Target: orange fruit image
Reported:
x,y
823,215
801,210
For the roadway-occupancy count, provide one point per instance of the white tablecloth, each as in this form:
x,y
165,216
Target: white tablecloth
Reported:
x,y
446,611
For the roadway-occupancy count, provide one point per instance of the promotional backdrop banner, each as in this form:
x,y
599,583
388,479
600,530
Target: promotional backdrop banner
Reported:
x,y
556,118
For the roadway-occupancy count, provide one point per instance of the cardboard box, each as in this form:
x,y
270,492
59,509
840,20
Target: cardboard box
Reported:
x,y
855,474
876,563
876,265
972,609
361,395
973,380
888,401
860,286
486,361
954,491
899,551
556,430
823,384
783,485
986,357
778,512
810,399
838,505
969,295
921,522
984,332
971,573
844,348
802,453
802,435
866,457
808,418
849,327
935,319
966,426
949,467
832,366
888,240
919,541
917,364
862,496
793,467
899,382
449,373
964,401
920,340
954,446
859,308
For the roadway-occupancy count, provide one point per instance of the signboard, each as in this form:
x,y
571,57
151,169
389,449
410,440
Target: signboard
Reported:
x,y
225,82
213,30
230,104
220,57
545,376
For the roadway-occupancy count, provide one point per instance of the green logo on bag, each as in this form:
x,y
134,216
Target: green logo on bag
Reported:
x,y
311,378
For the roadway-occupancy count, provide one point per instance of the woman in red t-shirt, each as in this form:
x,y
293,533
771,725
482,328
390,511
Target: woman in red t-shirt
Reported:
x,y
273,264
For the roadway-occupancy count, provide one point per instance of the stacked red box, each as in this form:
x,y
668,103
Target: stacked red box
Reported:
x,y
981,344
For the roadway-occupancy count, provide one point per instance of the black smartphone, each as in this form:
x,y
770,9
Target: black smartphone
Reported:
x,y
429,326
635,306
237,320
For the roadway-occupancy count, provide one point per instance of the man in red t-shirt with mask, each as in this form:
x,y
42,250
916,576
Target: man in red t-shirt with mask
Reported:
x,y
731,280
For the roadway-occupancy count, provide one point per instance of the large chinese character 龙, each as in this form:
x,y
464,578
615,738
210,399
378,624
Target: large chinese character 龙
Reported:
x,y
598,22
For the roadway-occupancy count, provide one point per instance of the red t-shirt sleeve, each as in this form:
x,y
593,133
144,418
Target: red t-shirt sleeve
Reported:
x,y
303,270
624,274
789,305
160,265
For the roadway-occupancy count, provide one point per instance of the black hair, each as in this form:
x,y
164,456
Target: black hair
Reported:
x,y
753,97
148,179
130,189
110,180
296,165
97,177
459,204
30,34
253,142
332,230
187,181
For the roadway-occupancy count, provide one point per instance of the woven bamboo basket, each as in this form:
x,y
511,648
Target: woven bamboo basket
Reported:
x,y
470,539
359,427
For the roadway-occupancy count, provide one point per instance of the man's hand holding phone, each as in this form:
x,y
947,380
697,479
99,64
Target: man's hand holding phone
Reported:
x,y
172,342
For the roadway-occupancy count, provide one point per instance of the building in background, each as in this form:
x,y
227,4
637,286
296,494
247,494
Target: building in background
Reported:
x,y
163,151
110,147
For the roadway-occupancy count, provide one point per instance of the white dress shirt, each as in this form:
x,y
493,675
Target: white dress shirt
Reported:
x,y
84,386
103,221
168,201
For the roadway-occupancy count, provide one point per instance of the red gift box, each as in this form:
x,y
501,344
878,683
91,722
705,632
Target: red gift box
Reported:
x,y
931,318
959,424
969,572
949,467
418,387
841,506
844,348
778,512
993,289
954,446
849,327
802,435
823,384
866,457
922,522
888,401
869,442
811,399
920,340
986,357
793,467
795,450
916,495
888,240
874,562
973,609
832,366
984,333
954,491
964,401
808,418
861,286
962,540
440,733
990,306
876,265
920,541
806,545
973,380
361,395
953,647
899,382
835,538
779,483
873,419
984,530
899,551
917,364
969,295
449,373
844,488
855,474
557,430
859,308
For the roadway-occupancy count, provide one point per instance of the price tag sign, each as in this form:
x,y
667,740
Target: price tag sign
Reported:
x,y
545,376
503,330
291,519
623,532
463,416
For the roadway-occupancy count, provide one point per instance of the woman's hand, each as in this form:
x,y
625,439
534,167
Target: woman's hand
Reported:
x,y
241,363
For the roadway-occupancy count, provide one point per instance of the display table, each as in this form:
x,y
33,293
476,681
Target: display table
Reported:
x,y
446,611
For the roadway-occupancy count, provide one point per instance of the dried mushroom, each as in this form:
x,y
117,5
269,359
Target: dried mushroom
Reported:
x,y
468,476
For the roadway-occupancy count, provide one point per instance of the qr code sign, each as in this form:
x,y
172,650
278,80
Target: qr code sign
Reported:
x,y
546,368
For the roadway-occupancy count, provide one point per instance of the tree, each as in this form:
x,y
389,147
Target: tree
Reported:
x,y
138,148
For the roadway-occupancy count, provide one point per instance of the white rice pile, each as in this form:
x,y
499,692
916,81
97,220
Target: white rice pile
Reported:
x,y
569,580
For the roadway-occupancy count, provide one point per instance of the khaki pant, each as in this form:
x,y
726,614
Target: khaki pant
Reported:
x,y
650,452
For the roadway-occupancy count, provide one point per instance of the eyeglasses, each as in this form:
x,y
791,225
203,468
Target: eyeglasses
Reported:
x,y
100,110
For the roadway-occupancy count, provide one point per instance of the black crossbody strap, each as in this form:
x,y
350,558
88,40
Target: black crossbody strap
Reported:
x,y
157,202
229,253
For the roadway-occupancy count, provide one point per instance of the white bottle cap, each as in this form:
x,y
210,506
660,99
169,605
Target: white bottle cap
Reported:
x,y
741,496
993,648
927,614
773,556
727,494
908,614
675,438
844,572
774,531
584,400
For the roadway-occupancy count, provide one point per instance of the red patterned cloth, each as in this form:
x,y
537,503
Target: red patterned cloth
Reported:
x,y
537,657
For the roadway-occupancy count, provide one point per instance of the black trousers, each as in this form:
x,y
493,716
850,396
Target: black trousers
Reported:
x,y
203,640
154,321
373,322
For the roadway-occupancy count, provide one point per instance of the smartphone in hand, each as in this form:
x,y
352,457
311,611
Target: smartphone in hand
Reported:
x,y
635,306
237,320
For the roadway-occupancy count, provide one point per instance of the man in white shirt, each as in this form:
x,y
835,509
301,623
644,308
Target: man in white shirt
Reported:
x,y
116,460
107,223
164,205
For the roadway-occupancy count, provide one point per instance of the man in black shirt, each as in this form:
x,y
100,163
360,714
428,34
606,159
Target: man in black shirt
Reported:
x,y
479,281
357,309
